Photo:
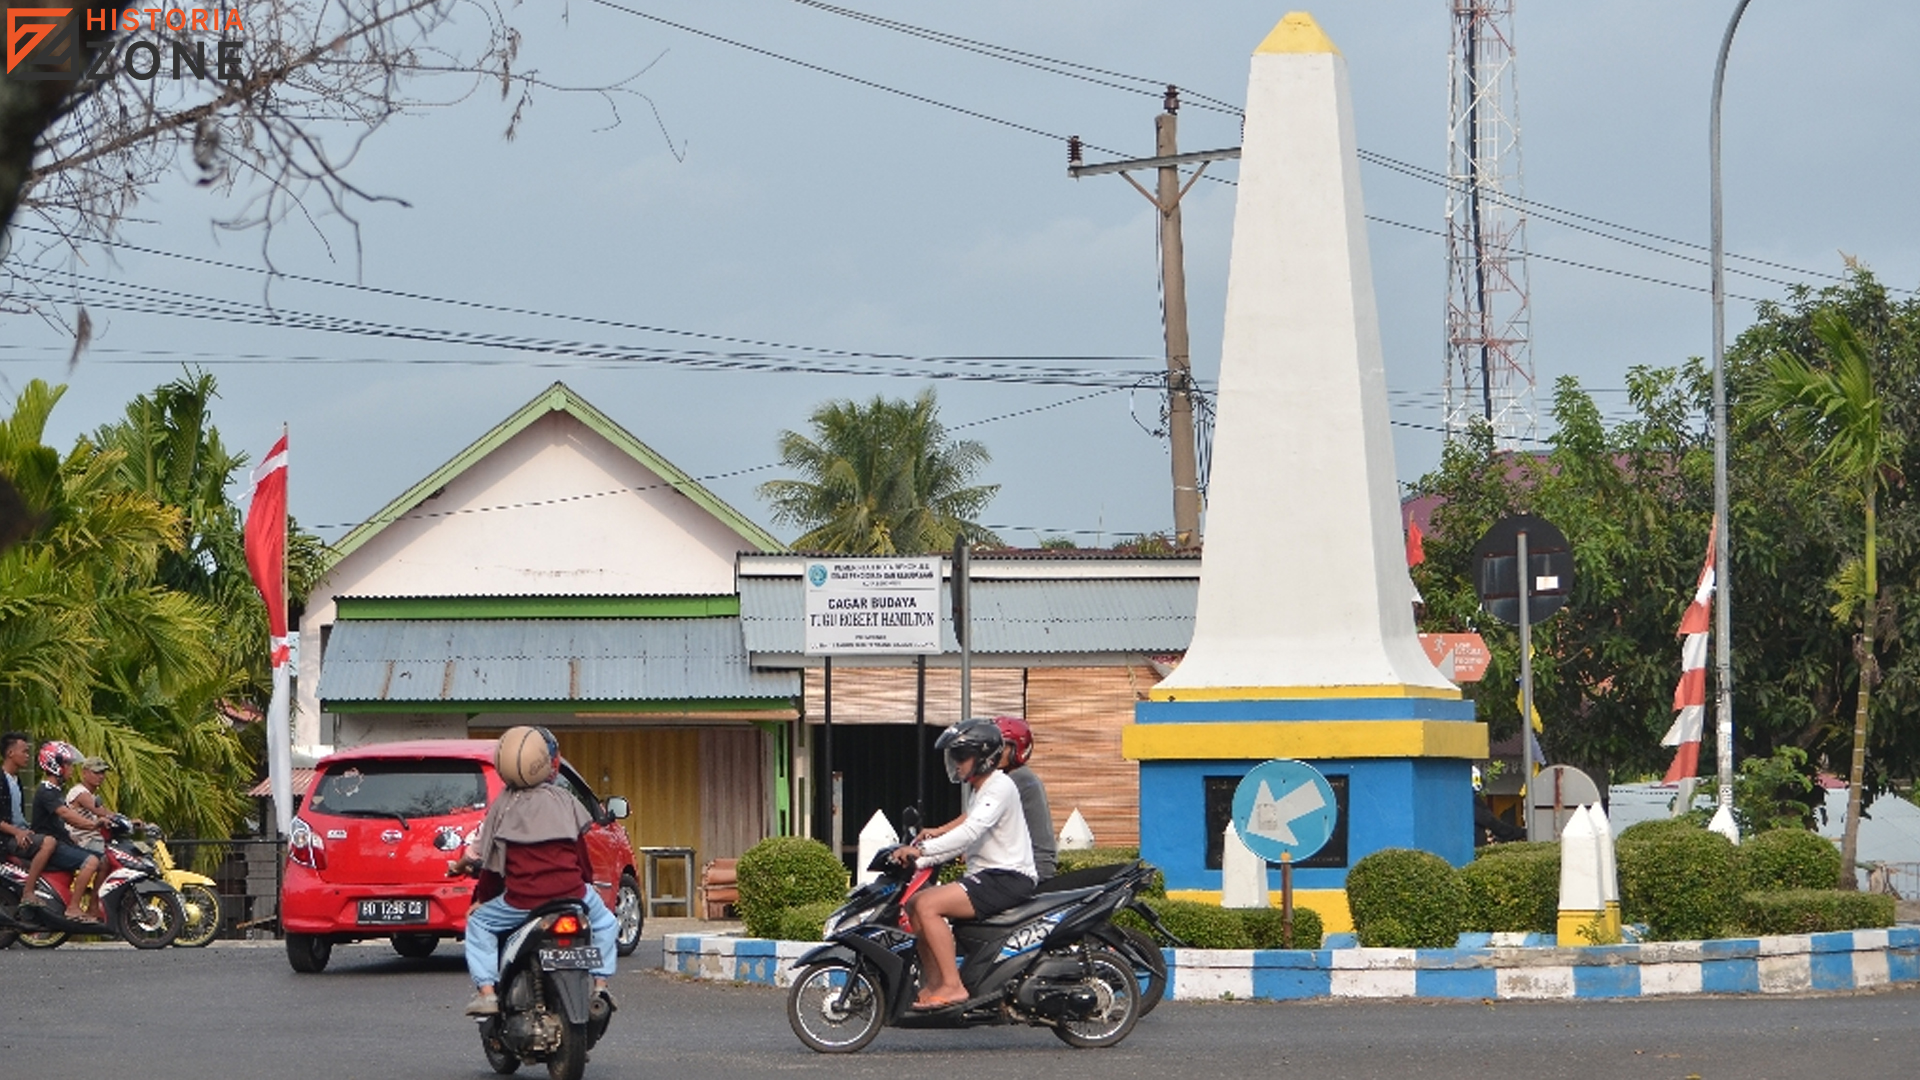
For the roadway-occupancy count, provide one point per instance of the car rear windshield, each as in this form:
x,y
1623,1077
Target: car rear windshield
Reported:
x,y
401,789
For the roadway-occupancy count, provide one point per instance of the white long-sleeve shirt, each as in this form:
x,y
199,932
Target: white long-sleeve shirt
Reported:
x,y
993,836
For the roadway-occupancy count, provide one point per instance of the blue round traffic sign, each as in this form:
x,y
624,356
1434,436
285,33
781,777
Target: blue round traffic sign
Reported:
x,y
1284,810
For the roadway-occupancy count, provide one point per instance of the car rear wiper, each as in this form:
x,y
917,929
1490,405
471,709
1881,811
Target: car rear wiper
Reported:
x,y
402,819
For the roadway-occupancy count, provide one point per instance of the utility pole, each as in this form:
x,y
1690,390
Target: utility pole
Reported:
x,y
1167,161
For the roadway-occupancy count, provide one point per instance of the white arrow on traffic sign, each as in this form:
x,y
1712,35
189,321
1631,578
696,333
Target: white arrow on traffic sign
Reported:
x,y
1273,818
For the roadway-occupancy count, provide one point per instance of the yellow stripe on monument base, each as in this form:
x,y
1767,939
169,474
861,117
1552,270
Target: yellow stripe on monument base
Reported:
x,y
1329,904
1259,740
1302,693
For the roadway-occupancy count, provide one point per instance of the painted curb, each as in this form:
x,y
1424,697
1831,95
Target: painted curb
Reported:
x,y
1851,960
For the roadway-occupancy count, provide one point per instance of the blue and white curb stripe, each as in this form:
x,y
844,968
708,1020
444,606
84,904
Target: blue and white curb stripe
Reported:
x,y
1498,968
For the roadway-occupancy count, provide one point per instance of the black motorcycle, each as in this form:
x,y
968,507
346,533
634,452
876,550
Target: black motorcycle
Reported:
x,y
1045,963
548,1010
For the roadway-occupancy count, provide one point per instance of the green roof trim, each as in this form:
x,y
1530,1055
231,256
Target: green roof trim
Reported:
x,y
472,708
535,607
556,398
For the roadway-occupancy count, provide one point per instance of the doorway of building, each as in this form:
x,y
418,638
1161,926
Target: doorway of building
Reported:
x,y
876,766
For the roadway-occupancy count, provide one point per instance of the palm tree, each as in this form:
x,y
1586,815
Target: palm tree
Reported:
x,y
880,478
1834,412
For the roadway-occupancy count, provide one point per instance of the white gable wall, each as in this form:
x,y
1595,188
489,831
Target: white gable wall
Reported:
x,y
557,510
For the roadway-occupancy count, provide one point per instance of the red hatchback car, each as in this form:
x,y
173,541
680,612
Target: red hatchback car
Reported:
x,y
367,854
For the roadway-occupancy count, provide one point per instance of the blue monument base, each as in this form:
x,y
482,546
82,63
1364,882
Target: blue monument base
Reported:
x,y
1401,769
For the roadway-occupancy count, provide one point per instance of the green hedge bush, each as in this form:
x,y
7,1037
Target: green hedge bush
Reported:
x,y
785,872
1517,847
1812,911
1069,861
1682,883
807,922
1204,926
1512,890
1647,830
1406,899
1264,928
1782,859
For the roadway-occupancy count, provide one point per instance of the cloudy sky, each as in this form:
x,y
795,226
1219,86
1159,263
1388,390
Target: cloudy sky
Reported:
x,y
786,206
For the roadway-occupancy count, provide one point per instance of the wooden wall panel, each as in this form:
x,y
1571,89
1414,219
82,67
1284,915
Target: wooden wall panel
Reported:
x,y
657,769
1077,715
735,791
886,695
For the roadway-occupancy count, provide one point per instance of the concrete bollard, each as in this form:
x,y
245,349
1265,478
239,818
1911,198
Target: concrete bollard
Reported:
x,y
1609,869
877,833
1243,875
1075,835
1582,903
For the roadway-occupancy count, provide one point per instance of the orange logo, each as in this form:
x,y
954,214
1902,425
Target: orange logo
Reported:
x,y
28,27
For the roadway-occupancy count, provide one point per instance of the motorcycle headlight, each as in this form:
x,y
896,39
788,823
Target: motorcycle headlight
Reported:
x,y
846,919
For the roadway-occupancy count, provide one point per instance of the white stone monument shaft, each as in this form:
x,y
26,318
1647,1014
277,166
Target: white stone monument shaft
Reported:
x,y
1303,577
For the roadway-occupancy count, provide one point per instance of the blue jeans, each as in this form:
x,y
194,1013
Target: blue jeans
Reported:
x,y
486,922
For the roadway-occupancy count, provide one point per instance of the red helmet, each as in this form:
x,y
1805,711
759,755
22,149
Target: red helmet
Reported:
x,y
56,756
1018,735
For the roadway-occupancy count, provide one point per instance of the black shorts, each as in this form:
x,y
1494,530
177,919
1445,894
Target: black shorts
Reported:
x,y
994,891
68,856
19,849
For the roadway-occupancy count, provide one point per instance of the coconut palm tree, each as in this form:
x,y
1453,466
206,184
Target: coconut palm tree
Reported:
x,y
880,478
1832,411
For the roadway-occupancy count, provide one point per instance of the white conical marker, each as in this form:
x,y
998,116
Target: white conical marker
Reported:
x,y
1243,875
1075,835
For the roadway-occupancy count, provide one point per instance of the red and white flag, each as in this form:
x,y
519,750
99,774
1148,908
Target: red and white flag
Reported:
x,y
266,543
1690,696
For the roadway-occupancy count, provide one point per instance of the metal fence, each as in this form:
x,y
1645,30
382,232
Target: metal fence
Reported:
x,y
1901,879
247,873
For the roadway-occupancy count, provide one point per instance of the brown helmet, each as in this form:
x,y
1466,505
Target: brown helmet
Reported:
x,y
526,756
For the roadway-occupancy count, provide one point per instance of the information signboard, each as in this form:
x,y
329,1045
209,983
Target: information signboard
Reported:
x,y
873,606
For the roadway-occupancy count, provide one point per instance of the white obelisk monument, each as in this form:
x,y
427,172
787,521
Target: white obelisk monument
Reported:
x,y
1304,646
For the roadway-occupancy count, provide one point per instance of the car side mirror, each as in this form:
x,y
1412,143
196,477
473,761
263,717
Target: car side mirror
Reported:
x,y
617,808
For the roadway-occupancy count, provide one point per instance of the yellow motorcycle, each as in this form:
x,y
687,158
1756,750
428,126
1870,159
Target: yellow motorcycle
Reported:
x,y
199,899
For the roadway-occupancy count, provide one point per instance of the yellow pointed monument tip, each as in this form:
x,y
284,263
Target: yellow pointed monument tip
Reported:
x,y
1297,33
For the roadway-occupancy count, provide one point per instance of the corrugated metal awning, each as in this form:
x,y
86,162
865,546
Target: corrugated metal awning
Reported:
x,y
429,661
1107,615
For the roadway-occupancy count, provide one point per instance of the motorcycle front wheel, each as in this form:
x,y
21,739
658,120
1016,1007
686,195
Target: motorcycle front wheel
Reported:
x,y
1117,993
150,921
201,922
835,1008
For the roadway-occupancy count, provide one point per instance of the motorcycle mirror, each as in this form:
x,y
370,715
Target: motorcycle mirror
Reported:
x,y
910,820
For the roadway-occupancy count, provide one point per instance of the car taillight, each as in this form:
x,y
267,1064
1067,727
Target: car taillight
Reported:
x,y
305,847
566,924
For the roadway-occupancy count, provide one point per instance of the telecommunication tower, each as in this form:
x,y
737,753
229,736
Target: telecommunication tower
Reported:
x,y
1489,353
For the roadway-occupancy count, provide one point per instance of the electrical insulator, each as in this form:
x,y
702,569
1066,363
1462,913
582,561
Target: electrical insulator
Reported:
x,y
1073,151
1172,101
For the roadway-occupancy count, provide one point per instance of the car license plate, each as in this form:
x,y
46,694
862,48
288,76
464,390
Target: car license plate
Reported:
x,y
581,958
393,912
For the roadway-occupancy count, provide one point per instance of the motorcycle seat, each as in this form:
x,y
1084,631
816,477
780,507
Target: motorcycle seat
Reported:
x,y
1039,905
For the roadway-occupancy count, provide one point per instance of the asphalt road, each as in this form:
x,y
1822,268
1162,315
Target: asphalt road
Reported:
x,y
239,1011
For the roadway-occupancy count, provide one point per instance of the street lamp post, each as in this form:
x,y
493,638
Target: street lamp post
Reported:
x,y
1722,593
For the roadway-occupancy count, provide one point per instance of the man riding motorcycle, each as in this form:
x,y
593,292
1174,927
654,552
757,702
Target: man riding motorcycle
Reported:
x,y
51,817
17,838
999,853
1033,793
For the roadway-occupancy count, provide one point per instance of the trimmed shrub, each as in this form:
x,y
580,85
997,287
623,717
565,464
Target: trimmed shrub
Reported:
x,y
1201,926
1681,882
1782,859
1516,847
1263,926
785,872
1512,891
1647,830
1405,899
1069,861
1813,911
807,922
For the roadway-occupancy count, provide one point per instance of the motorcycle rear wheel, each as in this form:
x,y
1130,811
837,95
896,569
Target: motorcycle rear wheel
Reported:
x,y
569,1060
500,1060
1149,966
201,923
819,1020
1112,979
